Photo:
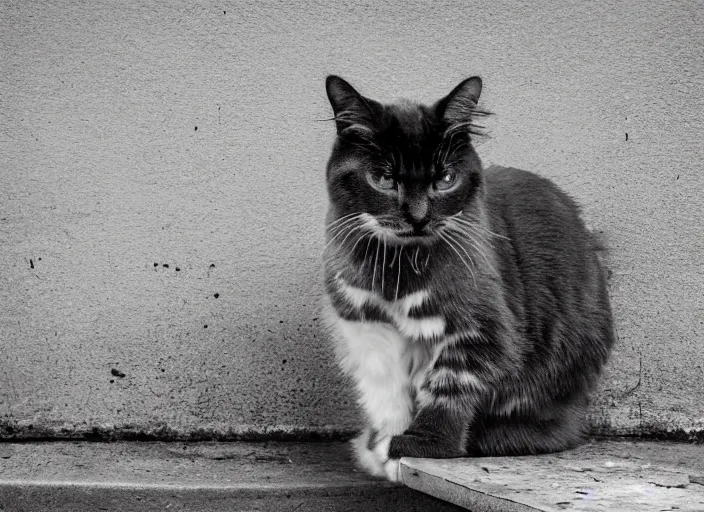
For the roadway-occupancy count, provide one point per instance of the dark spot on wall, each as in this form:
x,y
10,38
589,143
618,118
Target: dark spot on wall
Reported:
x,y
156,264
31,263
117,373
112,381
165,265
212,265
678,177
162,370
281,321
283,362
205,326
626,136
224,12
609,273
216,295
178,269
39,259
196,129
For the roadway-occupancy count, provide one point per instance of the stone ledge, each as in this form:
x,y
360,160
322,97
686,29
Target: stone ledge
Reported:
x,y
613,475
79,475
320,477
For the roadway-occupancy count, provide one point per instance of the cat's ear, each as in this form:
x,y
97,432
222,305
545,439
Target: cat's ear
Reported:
x,y
461,103
349,107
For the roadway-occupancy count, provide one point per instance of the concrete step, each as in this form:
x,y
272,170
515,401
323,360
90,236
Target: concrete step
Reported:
x,y
151,476
617,475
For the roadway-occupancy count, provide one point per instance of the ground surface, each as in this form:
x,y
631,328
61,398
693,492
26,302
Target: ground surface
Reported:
x,y
76,476
320,477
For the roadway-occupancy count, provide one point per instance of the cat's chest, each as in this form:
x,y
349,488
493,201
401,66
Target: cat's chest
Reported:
x,y
413,315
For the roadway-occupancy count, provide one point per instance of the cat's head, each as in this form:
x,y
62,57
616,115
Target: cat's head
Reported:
x,y
401,171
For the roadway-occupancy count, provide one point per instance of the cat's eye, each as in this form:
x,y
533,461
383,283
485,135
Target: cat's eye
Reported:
x,y
383,181
446,180
386,181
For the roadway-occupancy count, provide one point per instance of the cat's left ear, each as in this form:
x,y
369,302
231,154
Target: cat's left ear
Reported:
x,y
348,105
461,103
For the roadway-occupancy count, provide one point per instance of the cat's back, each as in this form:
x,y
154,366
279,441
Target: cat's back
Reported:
x,y
549,259
534,213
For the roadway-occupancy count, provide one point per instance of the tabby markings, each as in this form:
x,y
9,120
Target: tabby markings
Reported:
x,y
414,328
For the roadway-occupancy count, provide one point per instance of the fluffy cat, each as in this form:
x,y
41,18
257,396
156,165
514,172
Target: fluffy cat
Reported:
x,y
468,306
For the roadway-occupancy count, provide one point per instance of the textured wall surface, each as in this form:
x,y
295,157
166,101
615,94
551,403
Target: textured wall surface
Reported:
x,y
162,194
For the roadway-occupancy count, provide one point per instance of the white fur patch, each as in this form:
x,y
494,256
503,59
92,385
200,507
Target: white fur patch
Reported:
x,y
392,469
357,297
376,461
421,328
386,367
373,354
367,459
413,300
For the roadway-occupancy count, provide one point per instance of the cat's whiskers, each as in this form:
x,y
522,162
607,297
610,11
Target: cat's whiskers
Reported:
x,y
383,268
367,249
477,244
334,237
349,232
341,226
472,245
347,217
398,281
362,237
345,227
393,260
376,260
414,261
475,225
340,230
449,243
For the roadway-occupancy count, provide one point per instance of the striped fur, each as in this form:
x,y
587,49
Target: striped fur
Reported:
x,y
468,306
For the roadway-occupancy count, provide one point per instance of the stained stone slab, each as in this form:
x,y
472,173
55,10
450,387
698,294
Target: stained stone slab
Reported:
x,y
623,476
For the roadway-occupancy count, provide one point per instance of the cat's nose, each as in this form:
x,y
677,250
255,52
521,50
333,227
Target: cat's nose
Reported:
x,y
419,224
417,214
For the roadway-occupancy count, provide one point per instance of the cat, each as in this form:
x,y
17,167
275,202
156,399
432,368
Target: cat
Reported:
x,y
469,306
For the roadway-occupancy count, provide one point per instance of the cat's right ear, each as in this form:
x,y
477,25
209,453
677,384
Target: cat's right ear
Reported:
x,y
461,104
350,107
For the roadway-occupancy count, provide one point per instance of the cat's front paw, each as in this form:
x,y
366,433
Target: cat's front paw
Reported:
x,y
390,466
413,445
372,454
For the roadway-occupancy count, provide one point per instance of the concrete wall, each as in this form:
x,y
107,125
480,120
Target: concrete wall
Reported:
x,y
162,194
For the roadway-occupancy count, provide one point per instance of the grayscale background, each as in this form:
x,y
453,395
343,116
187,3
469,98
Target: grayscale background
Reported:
x,y
136,135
